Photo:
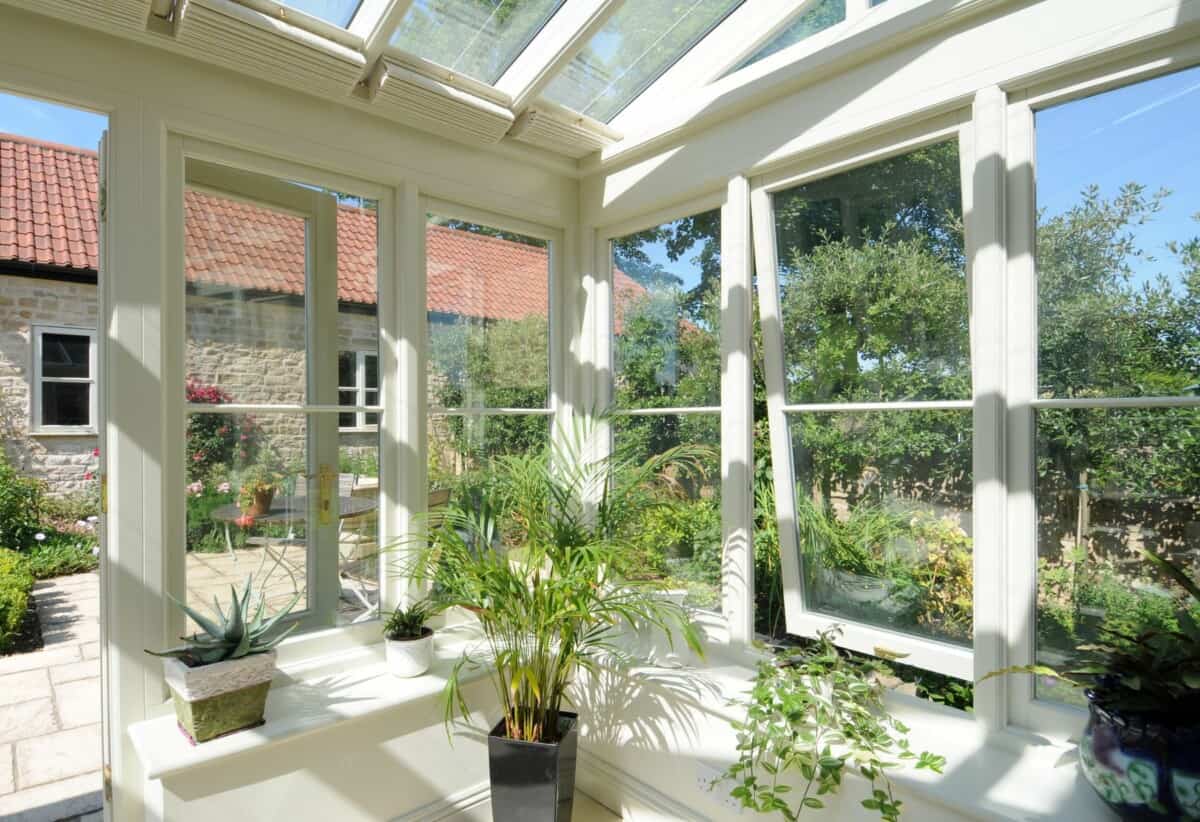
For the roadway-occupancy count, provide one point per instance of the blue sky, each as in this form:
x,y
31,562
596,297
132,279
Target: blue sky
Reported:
x,y
45,121
1145,133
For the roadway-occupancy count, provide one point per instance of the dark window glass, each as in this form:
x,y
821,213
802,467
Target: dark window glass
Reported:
x,y
66,403
66,355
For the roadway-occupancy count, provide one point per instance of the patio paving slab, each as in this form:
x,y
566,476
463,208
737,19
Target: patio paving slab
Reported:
x,y
58,756
22,686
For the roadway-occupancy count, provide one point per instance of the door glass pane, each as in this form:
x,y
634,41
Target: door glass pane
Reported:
x,y
66,355
639,42
488,317
872,282
337,12
883,513
245,309
666,314
1109,483
819,16
358,527
66,403
675,535
1118,261
247,507
478,38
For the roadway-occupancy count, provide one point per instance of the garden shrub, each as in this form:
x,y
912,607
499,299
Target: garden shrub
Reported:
x,y
60,554
16,583
20,505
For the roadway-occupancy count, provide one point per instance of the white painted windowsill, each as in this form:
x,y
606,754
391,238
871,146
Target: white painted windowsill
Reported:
x,y
305,698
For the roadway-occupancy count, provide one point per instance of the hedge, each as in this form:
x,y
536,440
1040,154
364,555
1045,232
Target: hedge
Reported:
x,y
16,581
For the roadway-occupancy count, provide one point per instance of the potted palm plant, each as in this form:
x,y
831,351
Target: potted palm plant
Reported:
x,y
220,676
549,602
1140,748
408,641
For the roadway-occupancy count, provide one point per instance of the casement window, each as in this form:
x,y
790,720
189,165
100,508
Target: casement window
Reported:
x,y
863,294
358,386
271,488
489,325
63,396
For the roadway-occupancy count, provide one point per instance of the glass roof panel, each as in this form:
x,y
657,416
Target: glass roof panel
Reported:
x,y
641,41
478,38
337,12
819,16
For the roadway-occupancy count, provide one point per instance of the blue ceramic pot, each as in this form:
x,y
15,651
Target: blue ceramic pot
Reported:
x,y
1143,768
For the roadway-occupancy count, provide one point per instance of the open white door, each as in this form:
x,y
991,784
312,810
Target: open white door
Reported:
x,y
103,291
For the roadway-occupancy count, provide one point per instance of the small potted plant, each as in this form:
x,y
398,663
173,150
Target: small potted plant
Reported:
x,y
219,678
258,484
408,641
1140,749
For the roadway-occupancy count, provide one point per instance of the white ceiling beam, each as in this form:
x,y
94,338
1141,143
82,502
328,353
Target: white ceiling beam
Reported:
x,y
376,21
566,33
750,26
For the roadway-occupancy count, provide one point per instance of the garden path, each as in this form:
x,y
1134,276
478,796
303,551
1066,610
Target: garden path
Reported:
x,y
50,710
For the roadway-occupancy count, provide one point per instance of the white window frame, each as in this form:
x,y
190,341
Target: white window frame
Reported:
x,y
360,407
36,333
733,626
1023,708
395,507
914,650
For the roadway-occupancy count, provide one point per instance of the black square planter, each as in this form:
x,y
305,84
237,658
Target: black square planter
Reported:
x,y
533,781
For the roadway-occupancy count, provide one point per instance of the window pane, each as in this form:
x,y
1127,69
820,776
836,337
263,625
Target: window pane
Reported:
x,y
66,355
488,298
819,16
337,12
1110,482
66,403
666,313
247,507
872,280
346,420
358,530
639,43
246,272
478,38
883,511
676,539
347,370
371,366
1118,262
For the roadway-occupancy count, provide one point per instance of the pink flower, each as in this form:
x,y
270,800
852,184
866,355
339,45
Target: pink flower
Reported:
x,y
195,488
87,475
95,452
197,457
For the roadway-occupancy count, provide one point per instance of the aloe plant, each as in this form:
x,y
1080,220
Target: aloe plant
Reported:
x,y
243,630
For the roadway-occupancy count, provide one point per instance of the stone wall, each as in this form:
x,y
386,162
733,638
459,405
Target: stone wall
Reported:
x,y
64,461
255,351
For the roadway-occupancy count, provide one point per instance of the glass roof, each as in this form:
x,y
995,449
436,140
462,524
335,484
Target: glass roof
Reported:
x,y
641,41
820,16
337,12
478,38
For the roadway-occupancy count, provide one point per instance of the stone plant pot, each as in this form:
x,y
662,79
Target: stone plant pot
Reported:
x,y
858,588
407,658
533,781
1143,769
218,699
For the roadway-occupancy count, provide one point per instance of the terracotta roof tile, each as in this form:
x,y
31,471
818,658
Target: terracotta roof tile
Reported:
x,y
48,217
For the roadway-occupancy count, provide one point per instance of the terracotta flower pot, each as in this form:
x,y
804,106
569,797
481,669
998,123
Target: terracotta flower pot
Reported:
x,y
261,506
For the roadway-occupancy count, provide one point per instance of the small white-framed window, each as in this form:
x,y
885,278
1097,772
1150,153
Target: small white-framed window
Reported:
x,y
63,390
358,386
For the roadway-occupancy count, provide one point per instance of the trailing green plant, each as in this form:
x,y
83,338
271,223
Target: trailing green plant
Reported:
x,y
1155,672
815,714
551,602
409,623
20,505
242,630
16,583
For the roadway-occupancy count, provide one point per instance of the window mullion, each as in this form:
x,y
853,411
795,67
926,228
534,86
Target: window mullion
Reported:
x,y
984,196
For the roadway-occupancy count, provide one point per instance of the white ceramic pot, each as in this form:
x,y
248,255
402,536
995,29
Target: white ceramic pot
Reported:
x,y
410,657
